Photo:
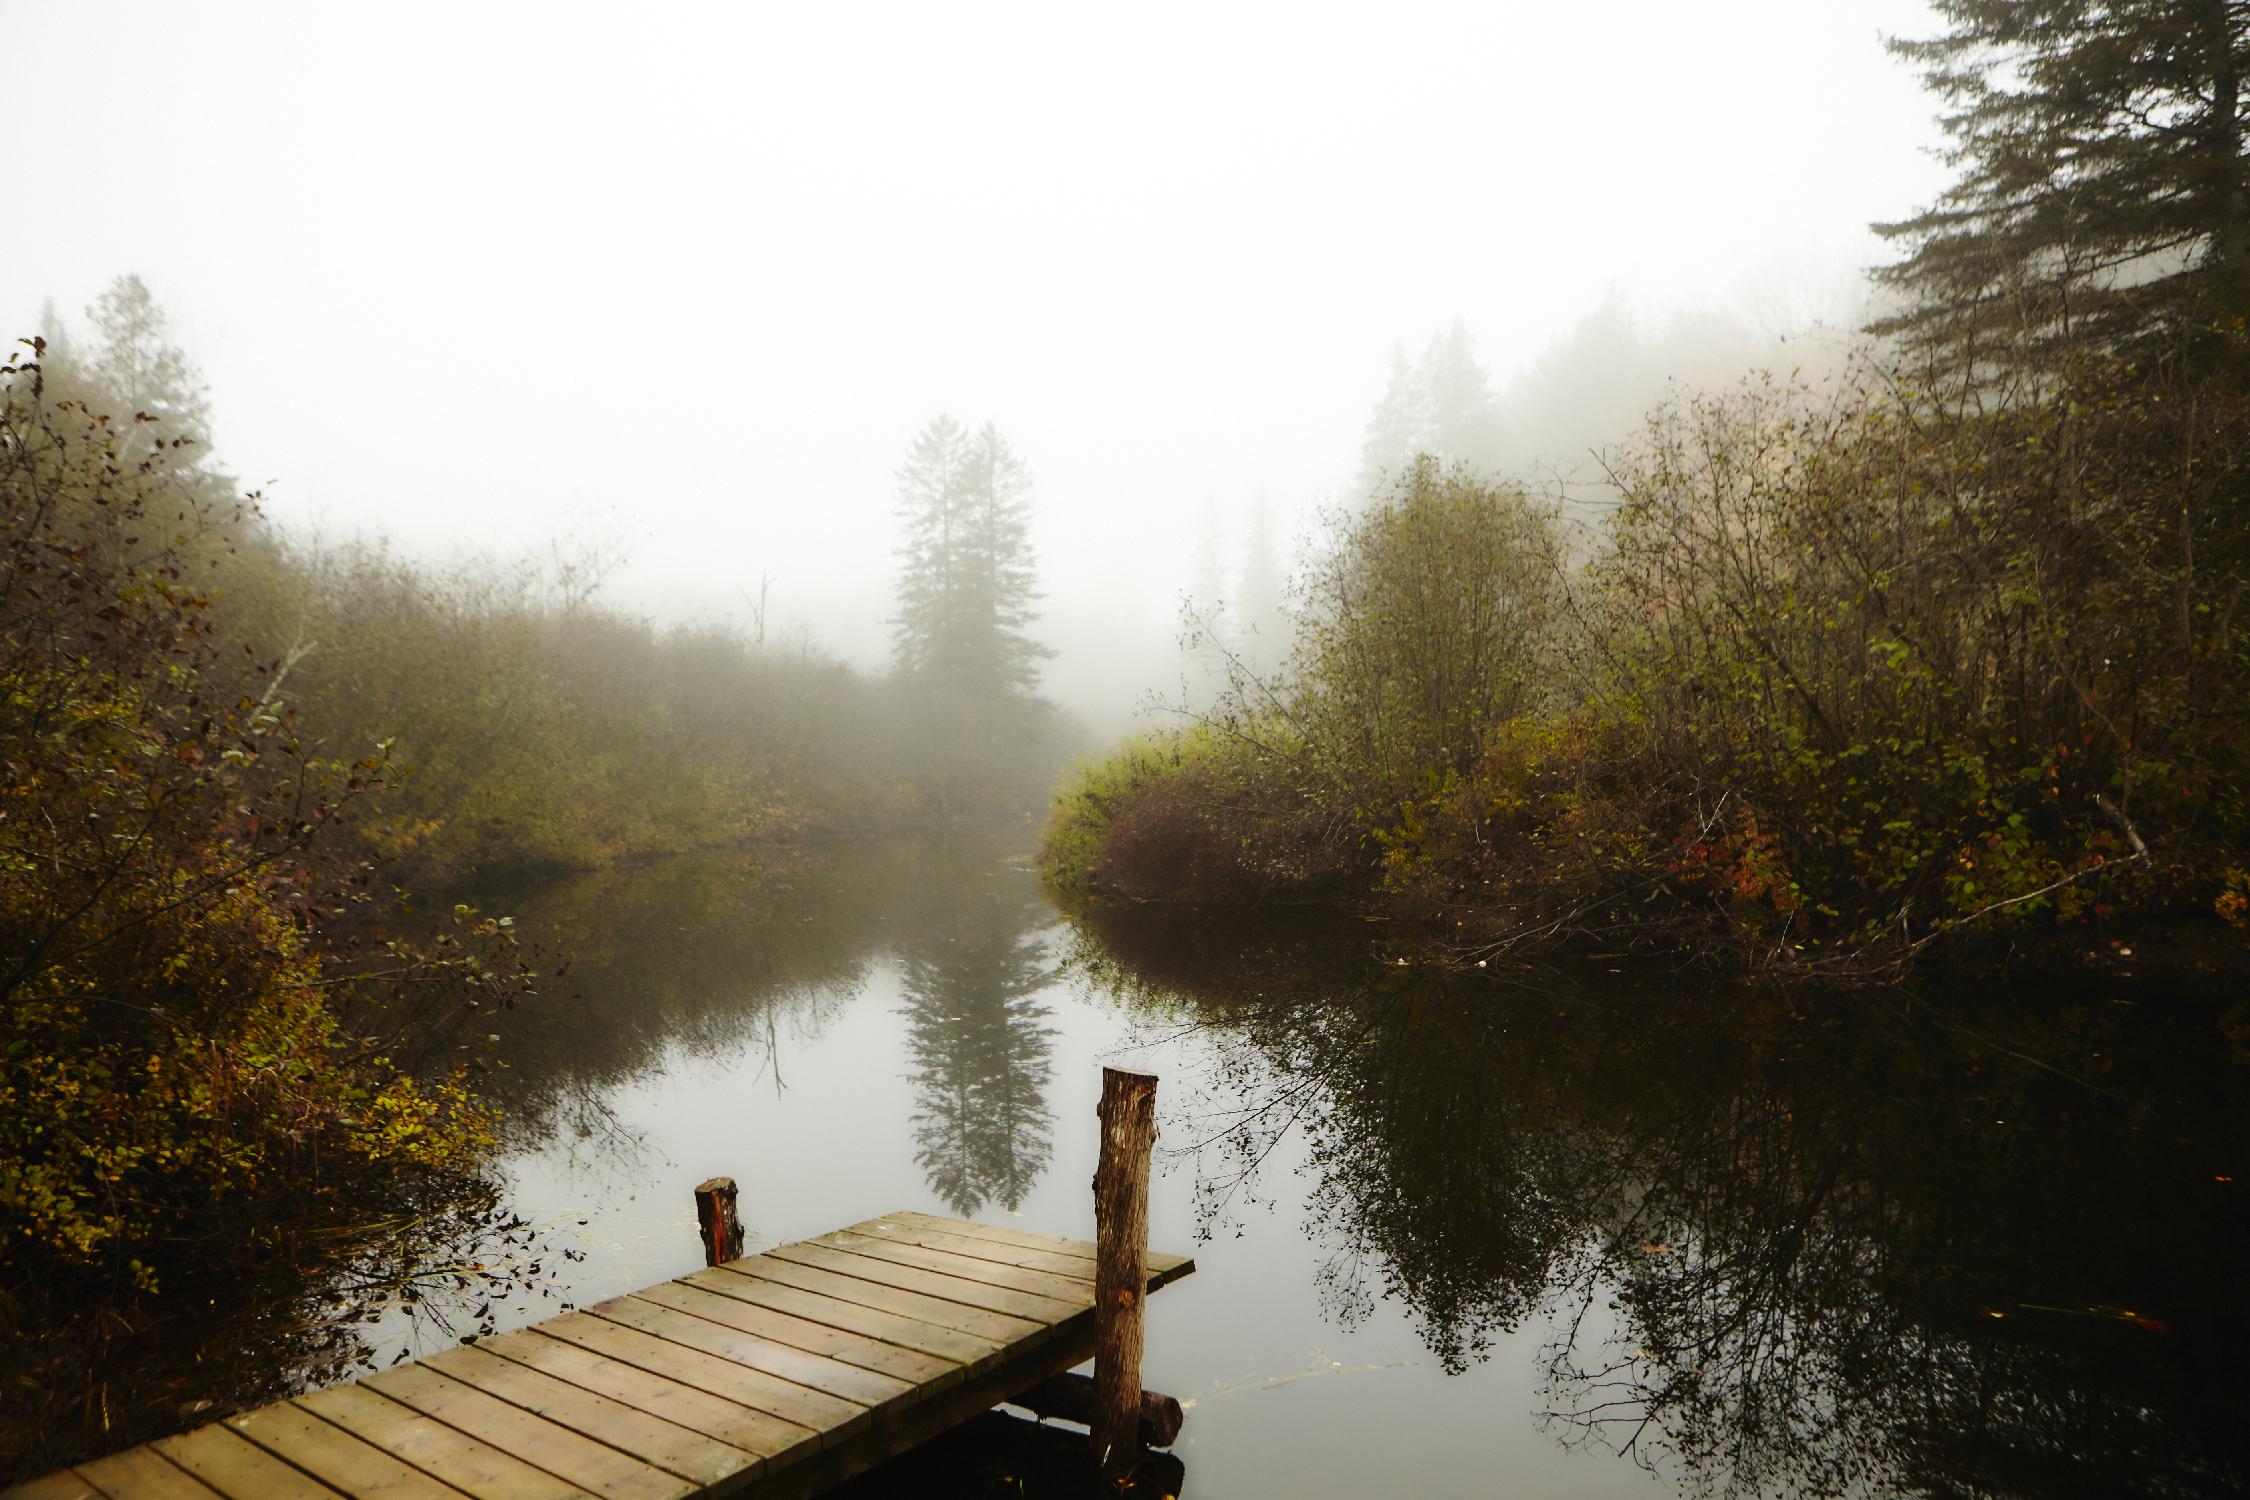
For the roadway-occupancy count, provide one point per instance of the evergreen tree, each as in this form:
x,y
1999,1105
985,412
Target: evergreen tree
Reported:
x,y
2102,199
1398,429
1457,396
968,590
980,1044
1440,406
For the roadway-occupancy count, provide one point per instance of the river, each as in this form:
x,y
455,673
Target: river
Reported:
x,y
1589,1232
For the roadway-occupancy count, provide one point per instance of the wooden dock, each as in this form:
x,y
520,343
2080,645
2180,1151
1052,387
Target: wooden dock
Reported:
x,y
772,1376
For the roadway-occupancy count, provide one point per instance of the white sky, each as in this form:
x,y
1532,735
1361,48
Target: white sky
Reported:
x,y
476,274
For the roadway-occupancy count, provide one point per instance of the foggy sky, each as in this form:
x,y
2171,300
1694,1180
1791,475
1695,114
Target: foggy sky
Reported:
x,y
691,277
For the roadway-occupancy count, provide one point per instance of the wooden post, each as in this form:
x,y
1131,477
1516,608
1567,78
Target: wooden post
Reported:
x,y
714,1214
1128,1116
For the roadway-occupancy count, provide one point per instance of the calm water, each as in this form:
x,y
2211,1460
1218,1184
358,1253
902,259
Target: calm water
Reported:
x,y
1528,1233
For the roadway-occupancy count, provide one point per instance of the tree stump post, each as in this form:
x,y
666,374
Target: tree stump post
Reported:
x,y
1128,1119
715,1216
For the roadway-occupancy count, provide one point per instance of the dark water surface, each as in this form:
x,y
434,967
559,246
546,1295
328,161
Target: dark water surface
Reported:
x,y
1534,1233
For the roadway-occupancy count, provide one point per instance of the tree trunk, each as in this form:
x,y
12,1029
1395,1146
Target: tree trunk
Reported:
x,y
1128,1118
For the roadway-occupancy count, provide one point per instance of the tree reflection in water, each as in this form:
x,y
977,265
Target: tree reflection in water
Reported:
x,y
1945,1244
976,1034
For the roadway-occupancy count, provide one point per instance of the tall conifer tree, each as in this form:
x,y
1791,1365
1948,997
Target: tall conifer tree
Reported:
x,y
2102,201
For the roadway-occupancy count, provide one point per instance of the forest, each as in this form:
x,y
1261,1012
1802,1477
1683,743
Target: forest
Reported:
x,y
1934,651
346,883
260,794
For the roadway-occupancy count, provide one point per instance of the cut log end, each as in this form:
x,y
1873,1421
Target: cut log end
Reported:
x,y
1070,1398
716,1218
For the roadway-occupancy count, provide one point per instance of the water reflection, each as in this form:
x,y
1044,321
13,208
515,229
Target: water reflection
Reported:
x,y
717,955
1959,1246
977,1035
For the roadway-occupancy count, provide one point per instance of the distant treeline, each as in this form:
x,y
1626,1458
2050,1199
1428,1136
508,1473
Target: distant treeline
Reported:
x,y
1950,644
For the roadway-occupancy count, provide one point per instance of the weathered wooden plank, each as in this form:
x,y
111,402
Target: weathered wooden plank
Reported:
x,y
593,1466
975,1321
1072,1344
237,1467
144,1474
967,1350
816,1372
923,1371
1065,1268
60,1485
1162,1267
335,1457
775,1440
716,1466
951,1263
473,1467
1048,1310
1006,1234
782,1374
830,1416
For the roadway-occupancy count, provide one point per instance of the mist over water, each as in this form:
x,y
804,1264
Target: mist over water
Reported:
x,y
686,286
595,597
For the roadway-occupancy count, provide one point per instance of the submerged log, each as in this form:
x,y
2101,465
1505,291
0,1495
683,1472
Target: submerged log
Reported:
x,y
1070,1398
715,1216
1128,1119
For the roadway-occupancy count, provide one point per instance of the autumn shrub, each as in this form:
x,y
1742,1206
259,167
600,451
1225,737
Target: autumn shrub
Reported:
x,y
194,1047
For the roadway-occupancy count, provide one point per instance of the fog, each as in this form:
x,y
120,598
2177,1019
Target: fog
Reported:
x,y
686,282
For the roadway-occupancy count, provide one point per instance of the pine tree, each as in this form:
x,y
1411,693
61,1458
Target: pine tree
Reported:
x,y
2103,201
967,597
1457,397
1440,406
1398,429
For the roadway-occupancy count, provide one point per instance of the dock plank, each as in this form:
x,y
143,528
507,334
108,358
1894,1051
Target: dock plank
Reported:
x,y
976,1321
815,1372
60,1485
1162,1265
470,1466
967,1350
1066,1268
953,1263
705,1461
925,1371
772,1377
237,1467
830,1416
777,1441
593,1466
335,1457
969,1293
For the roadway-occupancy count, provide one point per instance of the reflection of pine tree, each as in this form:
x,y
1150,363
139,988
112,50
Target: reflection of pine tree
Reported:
x,y
979,1044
